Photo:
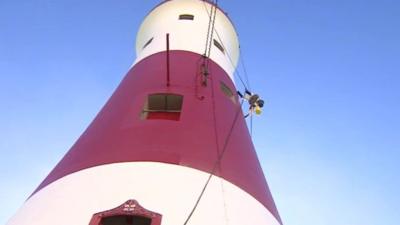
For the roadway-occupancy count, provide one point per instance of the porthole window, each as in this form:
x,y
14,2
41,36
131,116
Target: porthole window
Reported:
x,y
162,106
186,17
147,43
227,91
219,46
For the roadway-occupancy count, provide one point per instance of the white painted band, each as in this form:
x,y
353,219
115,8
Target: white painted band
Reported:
x,y
168,189
188,35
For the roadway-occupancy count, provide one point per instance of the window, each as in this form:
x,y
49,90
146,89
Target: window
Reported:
x,y
147,43
227,91
186,17
163,106
219,46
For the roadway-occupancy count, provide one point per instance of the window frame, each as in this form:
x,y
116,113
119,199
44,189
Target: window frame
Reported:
x,y
171,109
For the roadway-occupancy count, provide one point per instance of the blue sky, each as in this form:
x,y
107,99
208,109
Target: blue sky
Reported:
x,y
328,140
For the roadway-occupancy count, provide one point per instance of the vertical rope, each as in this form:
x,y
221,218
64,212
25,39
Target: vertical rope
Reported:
x,y
224,203
168,67
208,33
218,161
212,27
236,72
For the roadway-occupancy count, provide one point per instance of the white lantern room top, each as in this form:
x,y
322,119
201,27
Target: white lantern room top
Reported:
x,y
186,22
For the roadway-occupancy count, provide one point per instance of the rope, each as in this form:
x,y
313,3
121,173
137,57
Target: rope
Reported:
x,y
209,39
251,125
208,33
244,67
224,203
217,163
207,52
217,148
212,27
245,85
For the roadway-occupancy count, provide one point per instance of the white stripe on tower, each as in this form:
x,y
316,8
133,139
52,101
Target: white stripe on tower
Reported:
x,y
188,35
168,188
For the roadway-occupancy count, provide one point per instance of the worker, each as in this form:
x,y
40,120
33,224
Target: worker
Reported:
x,y
255,102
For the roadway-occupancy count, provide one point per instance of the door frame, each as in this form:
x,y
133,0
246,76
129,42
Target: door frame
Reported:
x,y
128,208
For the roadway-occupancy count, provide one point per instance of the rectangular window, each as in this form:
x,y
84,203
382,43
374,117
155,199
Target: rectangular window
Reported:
x,y
163,106
227,91
147,43
219,46
186,17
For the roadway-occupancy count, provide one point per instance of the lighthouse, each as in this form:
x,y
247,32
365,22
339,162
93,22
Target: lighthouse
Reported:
x,y
171,145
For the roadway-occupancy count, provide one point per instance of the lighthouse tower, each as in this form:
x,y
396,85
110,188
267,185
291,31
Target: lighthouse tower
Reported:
x,y
171,145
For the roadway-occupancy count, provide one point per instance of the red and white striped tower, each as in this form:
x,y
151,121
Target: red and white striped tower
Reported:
x,y
174,120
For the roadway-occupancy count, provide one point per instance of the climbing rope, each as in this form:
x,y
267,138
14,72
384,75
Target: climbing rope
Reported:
x,y
209,38
246,84
207,52
208,33
216,164
244,67
212,27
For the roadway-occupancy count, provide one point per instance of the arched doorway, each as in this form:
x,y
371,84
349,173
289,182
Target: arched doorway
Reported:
x,y
129,213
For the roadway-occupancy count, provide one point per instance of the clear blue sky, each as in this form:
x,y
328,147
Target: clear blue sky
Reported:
x,y
329,139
